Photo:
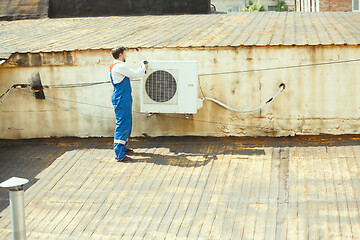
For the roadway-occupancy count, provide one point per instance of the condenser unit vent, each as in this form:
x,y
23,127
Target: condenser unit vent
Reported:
x,y
160,86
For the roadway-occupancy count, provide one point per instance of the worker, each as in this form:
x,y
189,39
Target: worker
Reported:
x,y
120,76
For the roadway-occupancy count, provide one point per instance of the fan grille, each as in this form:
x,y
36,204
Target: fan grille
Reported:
x,y
160,86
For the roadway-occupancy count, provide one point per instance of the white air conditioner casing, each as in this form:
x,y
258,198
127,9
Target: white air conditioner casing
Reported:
x,y
170,87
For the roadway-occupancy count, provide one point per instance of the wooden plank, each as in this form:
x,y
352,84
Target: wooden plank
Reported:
x,y
239,176
32,211
40,191
36,215
21,157
356,150
207,179
155,200
164,205
82,188
174,206
9,169
281,215
323,218
354,172
223,194
167,202
243,204
263,196
292,216
303,206
97,224
223,220
334,216
312,187
341,194
98,198
270,229
192,214
253,205
61,196
298,158
347,182
42,235
5,233
212,194
182,226
150,193
136,204
96,181
55,173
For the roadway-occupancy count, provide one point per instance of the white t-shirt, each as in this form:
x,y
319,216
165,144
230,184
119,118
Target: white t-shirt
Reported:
x,y
120,71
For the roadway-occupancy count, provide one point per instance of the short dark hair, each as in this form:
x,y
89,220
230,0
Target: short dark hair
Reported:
x,y
117,51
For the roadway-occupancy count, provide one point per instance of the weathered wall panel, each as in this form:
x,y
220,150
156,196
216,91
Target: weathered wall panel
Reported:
x,y
317,100
86,8
23,9
35,9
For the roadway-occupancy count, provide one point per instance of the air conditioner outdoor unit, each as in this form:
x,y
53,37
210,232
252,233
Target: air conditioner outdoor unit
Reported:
x,y
170,87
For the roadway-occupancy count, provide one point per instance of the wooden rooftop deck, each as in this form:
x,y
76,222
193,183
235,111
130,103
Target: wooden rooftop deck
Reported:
x,y
187,188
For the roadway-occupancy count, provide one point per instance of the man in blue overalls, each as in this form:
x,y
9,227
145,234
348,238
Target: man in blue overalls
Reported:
x,y
120,76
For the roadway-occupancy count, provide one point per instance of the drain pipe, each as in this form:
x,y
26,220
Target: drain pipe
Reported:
x,y
16,194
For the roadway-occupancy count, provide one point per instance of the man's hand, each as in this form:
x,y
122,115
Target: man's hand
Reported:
x,y
146,63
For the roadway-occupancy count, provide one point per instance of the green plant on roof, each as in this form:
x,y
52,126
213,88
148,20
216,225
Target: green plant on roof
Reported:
x,y
281,6
254,7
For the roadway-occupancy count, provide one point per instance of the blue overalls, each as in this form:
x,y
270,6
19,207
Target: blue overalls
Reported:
x,y
122,101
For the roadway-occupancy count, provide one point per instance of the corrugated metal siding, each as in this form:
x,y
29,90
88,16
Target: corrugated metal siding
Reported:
x,y
23,9
244,29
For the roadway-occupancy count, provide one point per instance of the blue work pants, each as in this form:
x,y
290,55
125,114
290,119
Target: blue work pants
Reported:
x,y
122,102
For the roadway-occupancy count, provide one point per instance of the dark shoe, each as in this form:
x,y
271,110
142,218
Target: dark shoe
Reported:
x,y
129,150
126,159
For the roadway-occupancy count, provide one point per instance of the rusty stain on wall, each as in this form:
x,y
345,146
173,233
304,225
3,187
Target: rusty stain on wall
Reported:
x,y
40,59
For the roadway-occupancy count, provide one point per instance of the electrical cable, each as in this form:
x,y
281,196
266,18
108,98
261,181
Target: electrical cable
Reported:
x,y
51,99
84,103
84,114
136,112
74,85
4,95
282,87
113,118
279,68
201,87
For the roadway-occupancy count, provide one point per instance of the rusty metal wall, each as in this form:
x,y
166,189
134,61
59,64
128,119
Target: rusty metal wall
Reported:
x,y
23,9
35,9
317,100
86,8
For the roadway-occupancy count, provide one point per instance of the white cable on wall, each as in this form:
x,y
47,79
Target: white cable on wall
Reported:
x,y
282,86
3,96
